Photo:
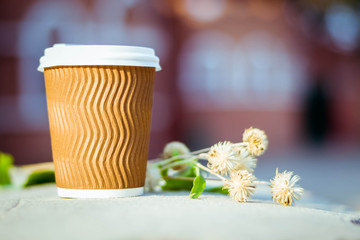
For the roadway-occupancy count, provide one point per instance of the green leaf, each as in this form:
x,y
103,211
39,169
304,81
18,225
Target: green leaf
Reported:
x,y
6,162
40,177
188,172
176,184
164,172
198,186
217,190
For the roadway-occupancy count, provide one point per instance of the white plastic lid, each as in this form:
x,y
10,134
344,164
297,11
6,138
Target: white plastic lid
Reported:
x,y
81,55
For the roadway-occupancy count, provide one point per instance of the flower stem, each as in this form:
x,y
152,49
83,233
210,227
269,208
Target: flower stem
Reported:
x,y
179,178
208,170
200,151
189,178
184,161
159,161
241,144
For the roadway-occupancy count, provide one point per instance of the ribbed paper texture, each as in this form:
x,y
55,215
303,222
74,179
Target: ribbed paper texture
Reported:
x,y
100,125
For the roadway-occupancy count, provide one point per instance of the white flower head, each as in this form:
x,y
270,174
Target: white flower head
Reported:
x,y
222,158
153,180
246,162
257,141
284,188
175,148
241,186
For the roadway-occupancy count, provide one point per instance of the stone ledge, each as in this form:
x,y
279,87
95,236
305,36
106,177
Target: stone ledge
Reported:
x,y
37,213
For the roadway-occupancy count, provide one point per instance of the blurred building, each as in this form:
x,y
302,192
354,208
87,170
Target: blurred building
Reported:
x,y
227,65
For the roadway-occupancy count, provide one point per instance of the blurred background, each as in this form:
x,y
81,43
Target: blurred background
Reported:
x,y
291,68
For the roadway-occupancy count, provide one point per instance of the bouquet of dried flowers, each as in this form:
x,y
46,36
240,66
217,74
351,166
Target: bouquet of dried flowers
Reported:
x,y
231,163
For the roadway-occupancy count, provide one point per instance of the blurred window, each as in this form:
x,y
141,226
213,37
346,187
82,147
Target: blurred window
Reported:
x,y
258,70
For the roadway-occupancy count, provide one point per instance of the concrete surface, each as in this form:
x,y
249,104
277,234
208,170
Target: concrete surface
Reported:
x,y
37,213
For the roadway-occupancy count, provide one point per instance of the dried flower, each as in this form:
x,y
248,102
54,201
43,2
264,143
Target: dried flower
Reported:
x,y
222,158
175,148
246,162
284,188
257,141
241,185
153,181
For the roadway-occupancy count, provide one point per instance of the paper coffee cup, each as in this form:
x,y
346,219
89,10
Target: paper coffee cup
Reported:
x,y
99,104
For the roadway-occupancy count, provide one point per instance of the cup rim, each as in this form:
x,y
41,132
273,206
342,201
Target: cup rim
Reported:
x,y
93,55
